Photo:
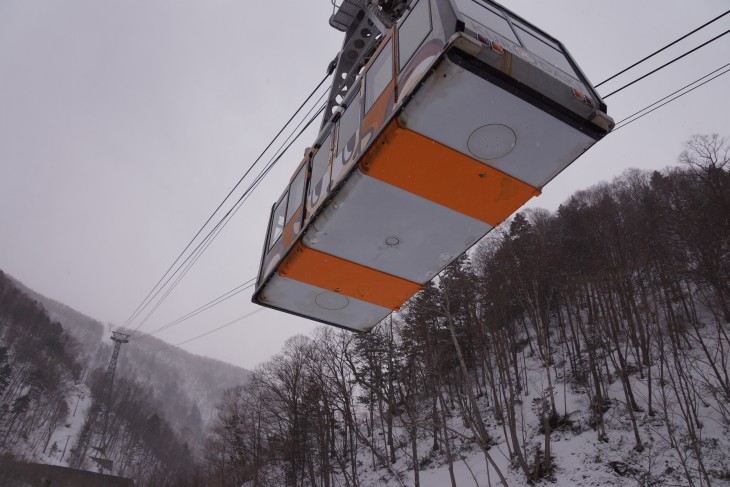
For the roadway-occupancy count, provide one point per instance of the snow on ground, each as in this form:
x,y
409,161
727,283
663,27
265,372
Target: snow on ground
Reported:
x,y
580,458
66,435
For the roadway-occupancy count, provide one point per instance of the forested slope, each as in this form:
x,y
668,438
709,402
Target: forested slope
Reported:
x,y
590,346
40,391
182,386
87,332
52,364
37,372
138,441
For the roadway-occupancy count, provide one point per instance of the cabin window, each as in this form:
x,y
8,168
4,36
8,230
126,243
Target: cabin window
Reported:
x,y
277,221
413,31
378,76
321,162
349,123
296,194
488,17
319,181
541,46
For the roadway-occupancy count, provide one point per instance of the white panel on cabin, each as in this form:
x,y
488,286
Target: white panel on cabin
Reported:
x,y
317,303
385,228
469,114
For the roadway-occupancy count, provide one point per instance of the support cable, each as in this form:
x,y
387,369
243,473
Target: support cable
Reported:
x,y
145,302
668,63
663,48
214,302
233,322
212,234
202,246
671,100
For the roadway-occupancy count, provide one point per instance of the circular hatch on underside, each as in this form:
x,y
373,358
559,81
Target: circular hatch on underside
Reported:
x,y
492,141
331,301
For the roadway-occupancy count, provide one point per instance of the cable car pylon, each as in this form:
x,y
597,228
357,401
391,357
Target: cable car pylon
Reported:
x,y
103,460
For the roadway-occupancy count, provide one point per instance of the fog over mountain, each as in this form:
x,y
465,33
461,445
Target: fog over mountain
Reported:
x,y
184,386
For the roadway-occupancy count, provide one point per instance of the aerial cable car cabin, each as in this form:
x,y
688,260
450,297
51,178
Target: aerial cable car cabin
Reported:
x,y
445,117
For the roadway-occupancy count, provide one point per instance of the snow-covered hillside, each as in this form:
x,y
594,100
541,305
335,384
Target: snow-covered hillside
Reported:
x,y
184,386
580,457
67,435
589,346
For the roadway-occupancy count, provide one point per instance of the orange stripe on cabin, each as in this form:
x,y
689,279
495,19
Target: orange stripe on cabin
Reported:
x,y
334,274
443,175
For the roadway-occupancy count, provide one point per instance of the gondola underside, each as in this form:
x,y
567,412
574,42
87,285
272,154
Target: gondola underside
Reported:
x,y
461,156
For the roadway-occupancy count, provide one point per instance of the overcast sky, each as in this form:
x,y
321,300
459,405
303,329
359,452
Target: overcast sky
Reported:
x,y
123,124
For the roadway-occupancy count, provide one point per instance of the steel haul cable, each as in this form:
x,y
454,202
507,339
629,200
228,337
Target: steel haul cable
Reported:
x,y
159,286
150,296
663,48
203,245
627,120
237,206
232,322
668,63
220,299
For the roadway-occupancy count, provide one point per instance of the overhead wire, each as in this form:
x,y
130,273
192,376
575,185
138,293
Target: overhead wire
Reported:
x,y
667,64
630,119
214,330
214,302
205,243
663,48
281,151
152,294
232,322
157,289
193,257
626,121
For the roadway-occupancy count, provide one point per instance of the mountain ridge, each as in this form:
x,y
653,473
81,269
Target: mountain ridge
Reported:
x,y
185,386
